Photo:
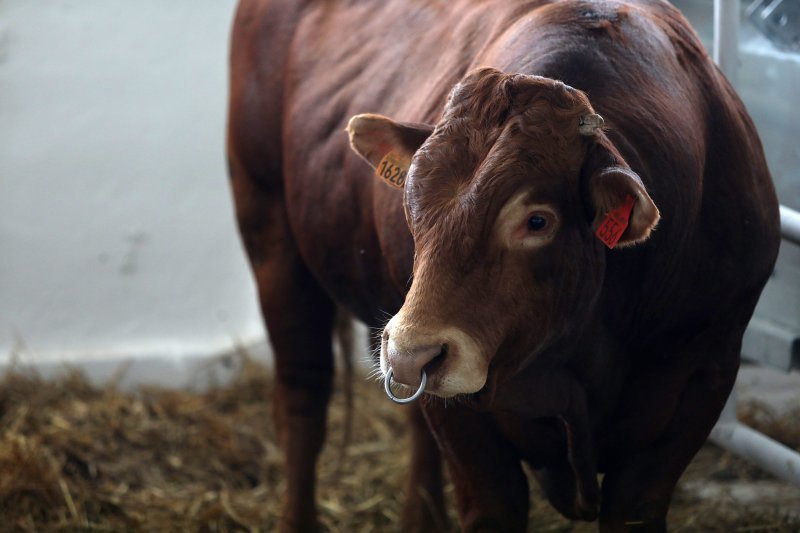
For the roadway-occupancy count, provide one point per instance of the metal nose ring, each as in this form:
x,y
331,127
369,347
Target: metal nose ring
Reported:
x,y
388,381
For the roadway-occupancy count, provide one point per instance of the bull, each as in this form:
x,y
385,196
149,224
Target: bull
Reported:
x,y
563,206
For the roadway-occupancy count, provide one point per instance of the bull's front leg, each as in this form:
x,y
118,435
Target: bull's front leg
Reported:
x,y
490,486
685,393
299,317
424,509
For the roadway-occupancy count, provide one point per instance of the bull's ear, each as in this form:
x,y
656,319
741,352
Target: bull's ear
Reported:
x,y
624,214
373,137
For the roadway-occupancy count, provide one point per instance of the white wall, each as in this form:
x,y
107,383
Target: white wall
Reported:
x,y
117,235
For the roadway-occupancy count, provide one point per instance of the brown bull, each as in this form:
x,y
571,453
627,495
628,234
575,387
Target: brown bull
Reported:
x,y
580,287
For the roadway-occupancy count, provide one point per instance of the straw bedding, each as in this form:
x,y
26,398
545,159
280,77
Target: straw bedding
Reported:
x,y
74,457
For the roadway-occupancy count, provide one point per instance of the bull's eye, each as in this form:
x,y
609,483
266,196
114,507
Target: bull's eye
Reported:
x,y
537,223
525,225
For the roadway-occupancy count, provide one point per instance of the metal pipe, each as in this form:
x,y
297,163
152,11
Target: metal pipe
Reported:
x,y
772,456
790,224
726,37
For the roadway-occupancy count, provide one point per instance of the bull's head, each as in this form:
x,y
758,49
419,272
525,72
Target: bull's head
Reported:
x,y
503,199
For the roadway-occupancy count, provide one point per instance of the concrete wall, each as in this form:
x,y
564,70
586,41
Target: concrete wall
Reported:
x,y
117,235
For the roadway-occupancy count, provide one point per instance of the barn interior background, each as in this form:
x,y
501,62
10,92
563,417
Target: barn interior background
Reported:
x,y
116,227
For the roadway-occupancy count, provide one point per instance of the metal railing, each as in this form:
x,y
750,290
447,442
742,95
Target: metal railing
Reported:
x,y
790,225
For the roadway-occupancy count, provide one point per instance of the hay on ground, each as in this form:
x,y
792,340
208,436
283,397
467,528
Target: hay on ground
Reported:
x,y
78,457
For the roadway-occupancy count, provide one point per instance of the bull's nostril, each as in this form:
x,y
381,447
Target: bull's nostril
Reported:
x,y
434,364
408,362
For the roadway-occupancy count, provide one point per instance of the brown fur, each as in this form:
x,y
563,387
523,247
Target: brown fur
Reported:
x,y
614,361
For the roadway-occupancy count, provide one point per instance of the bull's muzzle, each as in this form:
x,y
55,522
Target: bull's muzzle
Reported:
x,y
388,384
448,361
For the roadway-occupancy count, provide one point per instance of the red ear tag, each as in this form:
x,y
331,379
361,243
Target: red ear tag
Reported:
x,y
615,223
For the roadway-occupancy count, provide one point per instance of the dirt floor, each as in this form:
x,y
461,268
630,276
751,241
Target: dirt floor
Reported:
x,y
74,457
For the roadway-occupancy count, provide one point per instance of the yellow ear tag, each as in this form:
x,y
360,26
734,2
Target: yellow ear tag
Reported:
x,y
393,169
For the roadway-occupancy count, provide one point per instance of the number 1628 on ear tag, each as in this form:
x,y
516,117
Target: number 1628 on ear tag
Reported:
x,y
392,170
